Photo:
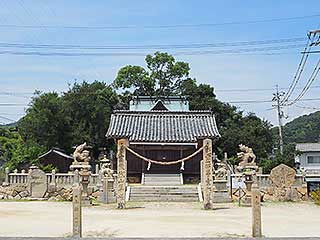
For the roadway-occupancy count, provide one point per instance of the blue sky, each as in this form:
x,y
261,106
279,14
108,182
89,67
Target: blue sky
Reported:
x,y
25,74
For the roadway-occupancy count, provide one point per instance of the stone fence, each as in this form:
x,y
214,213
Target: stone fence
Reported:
x,y
53,178
263,181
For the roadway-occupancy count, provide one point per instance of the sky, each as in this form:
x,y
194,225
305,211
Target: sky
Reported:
x,y
236,77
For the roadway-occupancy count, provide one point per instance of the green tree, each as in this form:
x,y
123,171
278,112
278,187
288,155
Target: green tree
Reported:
x,y
45,122
88,107
162,77
17,153
287,158
81,114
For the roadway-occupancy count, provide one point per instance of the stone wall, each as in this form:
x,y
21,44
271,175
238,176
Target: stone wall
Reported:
x,y
16,192
21,192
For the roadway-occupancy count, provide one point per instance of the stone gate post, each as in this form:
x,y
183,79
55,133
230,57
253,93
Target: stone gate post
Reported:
x,y
256,214
207,174
7,180
76,211
122,173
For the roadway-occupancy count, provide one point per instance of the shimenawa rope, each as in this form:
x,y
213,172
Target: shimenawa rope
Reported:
x,y
165,163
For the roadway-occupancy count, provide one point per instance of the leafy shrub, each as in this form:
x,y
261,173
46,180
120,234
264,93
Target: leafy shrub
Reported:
x,y
315,195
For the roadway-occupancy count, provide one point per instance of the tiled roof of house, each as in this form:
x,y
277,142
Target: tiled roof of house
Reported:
x,y
162,126
308,147
54,151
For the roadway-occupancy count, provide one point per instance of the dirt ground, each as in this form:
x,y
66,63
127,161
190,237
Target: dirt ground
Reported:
x,y
54,219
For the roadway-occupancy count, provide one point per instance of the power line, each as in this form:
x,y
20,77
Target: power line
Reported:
x,y
307,107
313,76
301,66
268,101
181,53
12,104
253,89
151,46
21,3
173,26
298,73
8,119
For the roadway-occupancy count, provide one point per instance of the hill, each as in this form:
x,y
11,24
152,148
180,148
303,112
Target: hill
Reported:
x,y
9,125
303,129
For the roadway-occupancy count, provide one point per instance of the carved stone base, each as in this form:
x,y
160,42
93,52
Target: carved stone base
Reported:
x,y
108,193
80,166
221,194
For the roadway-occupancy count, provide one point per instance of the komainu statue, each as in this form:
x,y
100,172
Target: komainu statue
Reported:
x,y
106,168
246,156
221,172
106,171
81,154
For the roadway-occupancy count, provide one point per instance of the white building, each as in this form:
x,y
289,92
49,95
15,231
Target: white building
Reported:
x,y
309,157
309,160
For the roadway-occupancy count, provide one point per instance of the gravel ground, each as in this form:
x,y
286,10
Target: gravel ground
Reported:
x,y
53,219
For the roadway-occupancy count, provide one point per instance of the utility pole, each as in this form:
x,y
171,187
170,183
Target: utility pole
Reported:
x,y
276,98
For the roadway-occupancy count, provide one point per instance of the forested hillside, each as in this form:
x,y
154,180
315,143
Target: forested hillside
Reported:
x,y
303,129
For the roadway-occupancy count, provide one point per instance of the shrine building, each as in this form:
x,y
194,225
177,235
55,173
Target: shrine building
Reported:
x,y
162,129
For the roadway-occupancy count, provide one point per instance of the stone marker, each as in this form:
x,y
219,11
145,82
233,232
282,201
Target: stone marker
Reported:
x,y
77,211
107,190
208,174
37,182
6,181
256,213
122,174
282,178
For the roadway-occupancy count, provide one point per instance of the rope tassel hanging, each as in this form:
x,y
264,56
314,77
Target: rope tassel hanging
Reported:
x,y
182,166
149,166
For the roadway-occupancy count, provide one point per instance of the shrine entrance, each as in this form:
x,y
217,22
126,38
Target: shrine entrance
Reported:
x,y
206,173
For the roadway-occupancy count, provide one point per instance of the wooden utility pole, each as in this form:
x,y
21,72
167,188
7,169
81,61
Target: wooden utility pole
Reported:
x,y
277,98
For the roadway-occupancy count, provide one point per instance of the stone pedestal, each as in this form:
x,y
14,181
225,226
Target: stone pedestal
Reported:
x,y
220,193
107,195
84,173
249,173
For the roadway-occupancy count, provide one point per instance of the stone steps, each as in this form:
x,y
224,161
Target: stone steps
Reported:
x,y
165,194
163,188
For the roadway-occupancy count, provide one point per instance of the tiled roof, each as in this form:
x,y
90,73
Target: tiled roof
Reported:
x,y
308,147
56,152
162,126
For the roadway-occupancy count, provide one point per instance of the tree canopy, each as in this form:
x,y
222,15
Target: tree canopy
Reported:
x,y
162,77
78,115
